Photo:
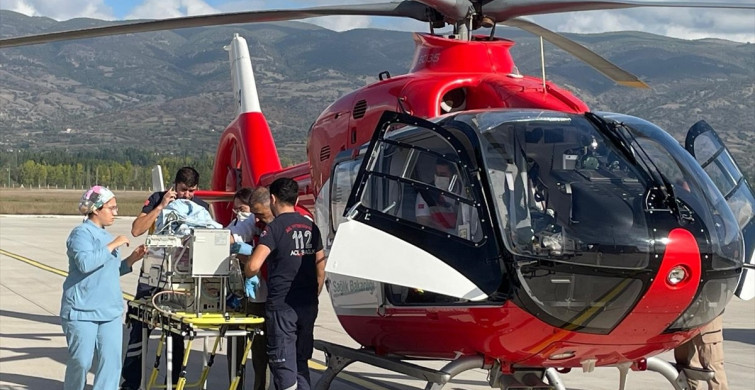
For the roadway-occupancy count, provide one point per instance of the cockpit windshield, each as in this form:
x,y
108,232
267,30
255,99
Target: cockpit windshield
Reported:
x,y
562,189
599,191
580,188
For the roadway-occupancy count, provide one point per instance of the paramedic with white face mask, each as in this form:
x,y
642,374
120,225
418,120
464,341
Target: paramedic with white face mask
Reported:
x,y
438,213
242,209
443,212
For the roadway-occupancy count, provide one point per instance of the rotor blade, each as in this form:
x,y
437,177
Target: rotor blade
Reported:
x,y
501,10
591,58
409,9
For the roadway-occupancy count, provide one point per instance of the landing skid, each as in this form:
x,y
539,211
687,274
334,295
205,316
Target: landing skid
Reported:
x,y
339,357
677,376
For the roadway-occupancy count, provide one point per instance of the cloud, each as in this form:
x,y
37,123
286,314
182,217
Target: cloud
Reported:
x,y
336,23
685,23
159,9
20,6
61,9
342,23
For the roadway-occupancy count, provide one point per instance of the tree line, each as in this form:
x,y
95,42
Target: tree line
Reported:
x,y
116,168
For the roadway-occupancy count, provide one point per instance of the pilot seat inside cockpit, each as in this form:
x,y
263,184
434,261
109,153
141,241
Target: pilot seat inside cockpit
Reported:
x,y
571,184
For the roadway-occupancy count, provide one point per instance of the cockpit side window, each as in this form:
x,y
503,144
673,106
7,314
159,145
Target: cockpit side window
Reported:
x,y
344,175
687,191
416,177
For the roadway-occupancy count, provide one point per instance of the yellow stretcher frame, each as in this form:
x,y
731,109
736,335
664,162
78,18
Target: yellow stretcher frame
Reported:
x,y
190,325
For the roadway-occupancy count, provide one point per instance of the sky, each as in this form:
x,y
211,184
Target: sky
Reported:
x,y
735,25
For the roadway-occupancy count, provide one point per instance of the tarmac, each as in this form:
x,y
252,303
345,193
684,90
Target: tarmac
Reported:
x,y
33,352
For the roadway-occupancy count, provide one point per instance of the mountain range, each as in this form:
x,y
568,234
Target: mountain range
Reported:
x,y
170,91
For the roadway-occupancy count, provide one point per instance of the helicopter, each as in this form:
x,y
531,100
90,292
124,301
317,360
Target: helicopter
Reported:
x,y
489,218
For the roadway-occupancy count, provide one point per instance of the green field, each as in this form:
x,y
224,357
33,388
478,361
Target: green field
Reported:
x,y
62,202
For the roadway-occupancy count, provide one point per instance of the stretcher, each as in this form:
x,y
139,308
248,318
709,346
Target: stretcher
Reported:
x,y
191,326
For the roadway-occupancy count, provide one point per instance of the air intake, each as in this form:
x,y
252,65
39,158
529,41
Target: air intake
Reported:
x,y
325,153
359,109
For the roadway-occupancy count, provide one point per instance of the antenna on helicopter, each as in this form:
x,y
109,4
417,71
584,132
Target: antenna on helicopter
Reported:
x,y
542,62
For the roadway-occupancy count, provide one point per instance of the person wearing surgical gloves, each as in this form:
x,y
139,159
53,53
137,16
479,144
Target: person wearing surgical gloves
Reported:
x,y
92,305
252,210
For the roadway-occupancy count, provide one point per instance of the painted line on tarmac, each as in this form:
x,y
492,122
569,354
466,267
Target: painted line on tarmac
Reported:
x,y
312,364
47,268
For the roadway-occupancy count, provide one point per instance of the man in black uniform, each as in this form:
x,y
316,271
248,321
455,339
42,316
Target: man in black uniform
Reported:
x,y
186,182
293,248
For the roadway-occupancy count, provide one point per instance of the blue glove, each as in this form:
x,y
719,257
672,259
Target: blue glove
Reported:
x,y
233,302
250,286
241,248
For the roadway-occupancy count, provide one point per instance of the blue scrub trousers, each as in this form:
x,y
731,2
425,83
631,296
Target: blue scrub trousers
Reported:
x,y
101,340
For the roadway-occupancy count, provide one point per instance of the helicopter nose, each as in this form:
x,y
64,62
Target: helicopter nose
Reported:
x,y
673,289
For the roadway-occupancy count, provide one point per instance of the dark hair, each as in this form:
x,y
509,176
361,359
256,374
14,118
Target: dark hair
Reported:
x,y
445,163
285,190
244,195
188,176
260,195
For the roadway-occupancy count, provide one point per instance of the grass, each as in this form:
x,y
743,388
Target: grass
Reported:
x,y
62,202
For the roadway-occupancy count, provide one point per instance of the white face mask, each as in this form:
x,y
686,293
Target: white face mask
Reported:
x,y
243,215
442,182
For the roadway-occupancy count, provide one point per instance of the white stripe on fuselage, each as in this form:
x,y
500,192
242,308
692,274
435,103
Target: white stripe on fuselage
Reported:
x,y
362,251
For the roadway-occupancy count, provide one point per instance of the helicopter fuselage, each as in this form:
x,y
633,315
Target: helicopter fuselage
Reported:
x,y
590,264
512,324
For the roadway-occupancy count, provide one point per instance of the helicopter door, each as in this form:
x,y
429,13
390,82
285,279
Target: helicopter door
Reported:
x,y
412,217
709,150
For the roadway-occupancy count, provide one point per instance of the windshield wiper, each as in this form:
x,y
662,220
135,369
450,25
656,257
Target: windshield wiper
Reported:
x,y
611,131
621,135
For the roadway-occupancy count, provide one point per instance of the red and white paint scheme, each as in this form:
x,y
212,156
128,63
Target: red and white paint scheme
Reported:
x,y
395,294
476,214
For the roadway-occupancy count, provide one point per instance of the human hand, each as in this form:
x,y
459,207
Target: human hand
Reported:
x,y
120,240
170,195
138,253
241,248
250,286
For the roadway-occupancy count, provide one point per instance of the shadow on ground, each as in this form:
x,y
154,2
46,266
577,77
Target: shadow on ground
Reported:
x,y
48,319
23,382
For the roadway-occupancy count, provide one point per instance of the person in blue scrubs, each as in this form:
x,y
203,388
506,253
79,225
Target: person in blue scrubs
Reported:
x,y
92,306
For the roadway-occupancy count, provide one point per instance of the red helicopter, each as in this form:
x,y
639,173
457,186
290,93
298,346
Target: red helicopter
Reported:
x,y
487,217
